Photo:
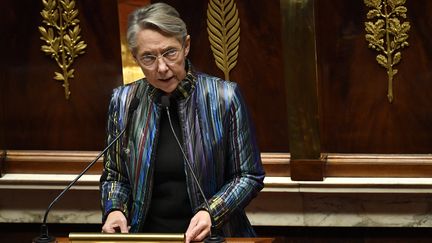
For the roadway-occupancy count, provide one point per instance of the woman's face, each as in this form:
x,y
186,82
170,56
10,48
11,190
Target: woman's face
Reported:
x,y
162,59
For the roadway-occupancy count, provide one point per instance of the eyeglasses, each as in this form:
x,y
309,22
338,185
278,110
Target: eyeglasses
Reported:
x,y
169,57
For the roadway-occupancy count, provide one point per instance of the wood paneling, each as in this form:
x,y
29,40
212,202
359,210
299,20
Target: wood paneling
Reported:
x,y
38,116
259,68
35,114
355,115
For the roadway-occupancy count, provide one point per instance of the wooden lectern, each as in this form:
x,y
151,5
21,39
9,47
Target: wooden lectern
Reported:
x,y
143,238
138,237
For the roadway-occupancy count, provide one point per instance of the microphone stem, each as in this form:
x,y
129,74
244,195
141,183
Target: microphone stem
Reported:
x,y
44,237
191,170
81,174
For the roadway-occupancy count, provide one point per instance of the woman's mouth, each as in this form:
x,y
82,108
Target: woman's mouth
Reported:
x,y
165,79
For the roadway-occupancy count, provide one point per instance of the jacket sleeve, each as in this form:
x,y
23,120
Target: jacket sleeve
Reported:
x,y
243,163
114,183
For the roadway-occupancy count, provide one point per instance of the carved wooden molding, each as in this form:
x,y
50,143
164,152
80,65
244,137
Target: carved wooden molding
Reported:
x,y
275,164
67,162
50,162
379,165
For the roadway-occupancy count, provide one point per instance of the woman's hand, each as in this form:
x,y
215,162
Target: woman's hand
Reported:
x,y
199,227
116,222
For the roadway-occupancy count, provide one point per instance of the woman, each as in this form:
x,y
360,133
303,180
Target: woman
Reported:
x,y
146,185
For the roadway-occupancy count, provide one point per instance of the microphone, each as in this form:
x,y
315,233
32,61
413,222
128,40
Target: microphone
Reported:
x,y
44,237
214,237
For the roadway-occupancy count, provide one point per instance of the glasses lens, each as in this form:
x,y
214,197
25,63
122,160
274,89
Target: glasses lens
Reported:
x,y
169,57
148,60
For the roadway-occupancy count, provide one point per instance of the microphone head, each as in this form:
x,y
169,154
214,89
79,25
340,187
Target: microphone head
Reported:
x,y
133,104
165,101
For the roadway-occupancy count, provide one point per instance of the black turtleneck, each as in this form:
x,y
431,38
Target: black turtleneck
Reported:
x,y
170,210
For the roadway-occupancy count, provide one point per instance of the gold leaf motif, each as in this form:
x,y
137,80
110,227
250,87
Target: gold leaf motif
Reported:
x,y
387,34
62,37
223,27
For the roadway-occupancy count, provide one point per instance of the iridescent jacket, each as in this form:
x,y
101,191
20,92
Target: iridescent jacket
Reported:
x,y
217,139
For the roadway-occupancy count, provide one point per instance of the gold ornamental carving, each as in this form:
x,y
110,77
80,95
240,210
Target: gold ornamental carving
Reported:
x,y
387,34
61,34
223,27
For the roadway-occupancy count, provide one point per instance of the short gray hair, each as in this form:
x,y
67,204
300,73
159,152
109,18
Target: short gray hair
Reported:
x,y
158,16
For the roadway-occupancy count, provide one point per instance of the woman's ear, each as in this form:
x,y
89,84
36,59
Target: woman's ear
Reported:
x,y
187,45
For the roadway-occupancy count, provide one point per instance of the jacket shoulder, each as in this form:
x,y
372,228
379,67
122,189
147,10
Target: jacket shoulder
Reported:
x,y
216,84
127,88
